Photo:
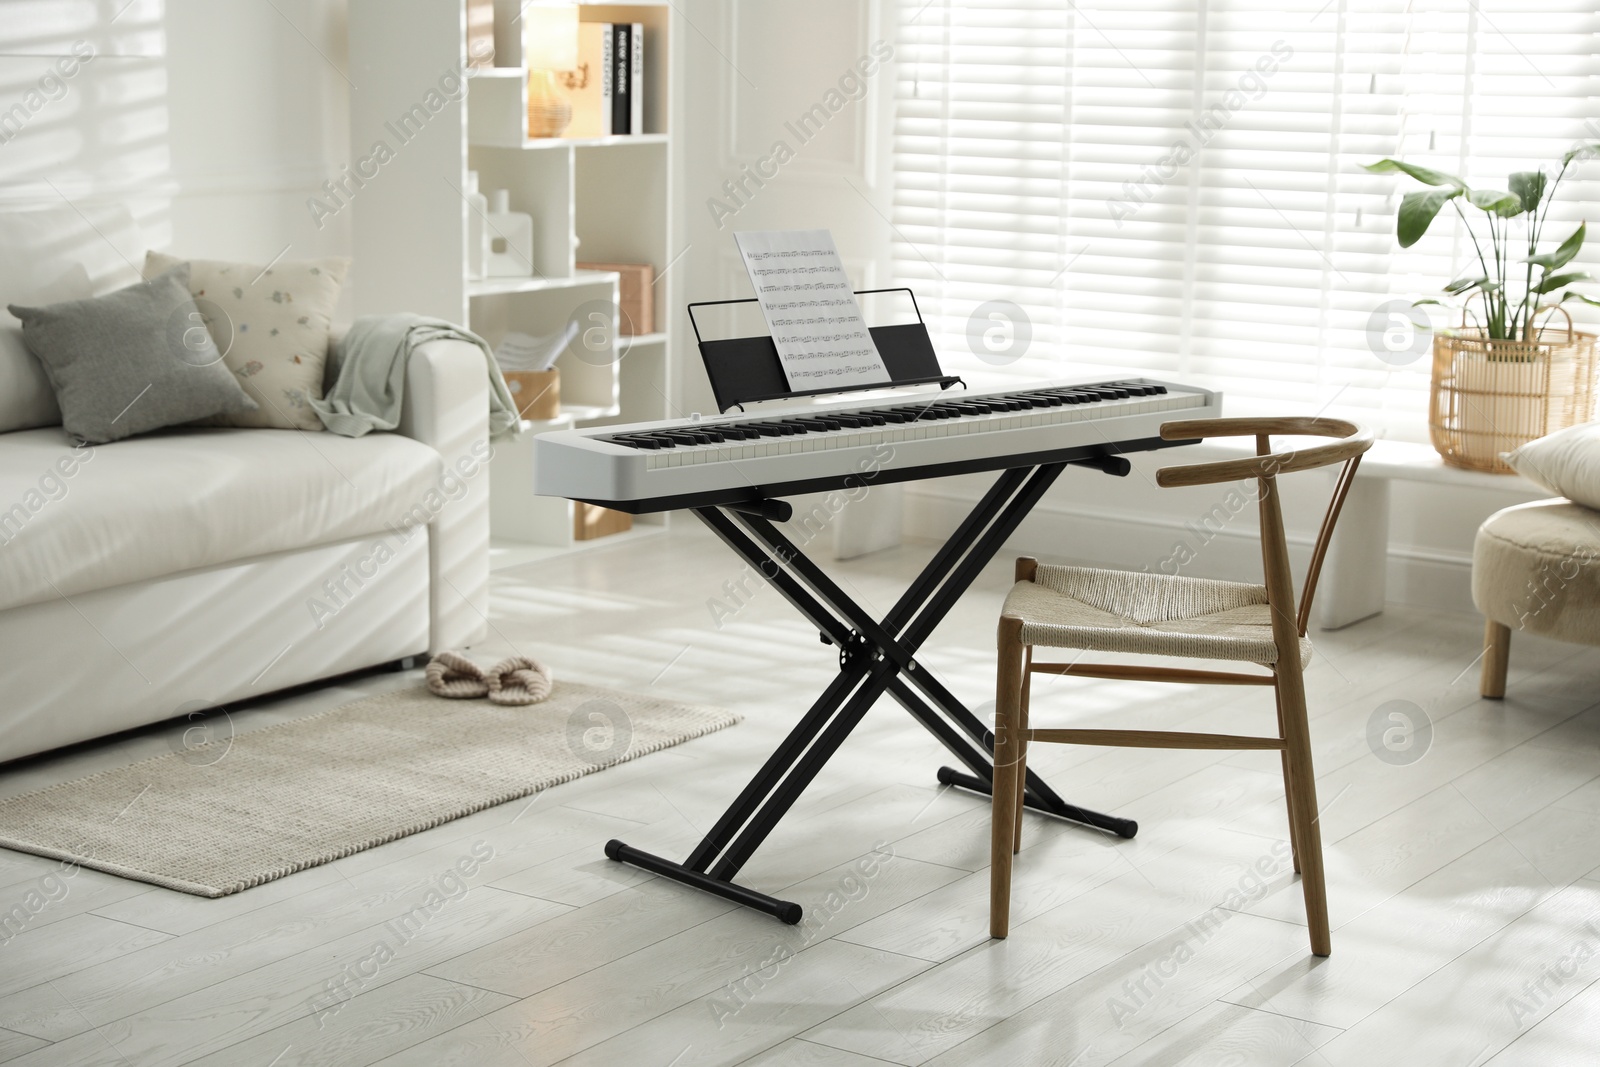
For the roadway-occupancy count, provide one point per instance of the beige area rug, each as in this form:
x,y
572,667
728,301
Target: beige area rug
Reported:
x,y
238,811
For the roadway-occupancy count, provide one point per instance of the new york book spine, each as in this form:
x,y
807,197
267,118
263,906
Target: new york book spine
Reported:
x,y
622,77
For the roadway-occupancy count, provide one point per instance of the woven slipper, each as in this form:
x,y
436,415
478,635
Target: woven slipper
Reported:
x,y
452,675
518,680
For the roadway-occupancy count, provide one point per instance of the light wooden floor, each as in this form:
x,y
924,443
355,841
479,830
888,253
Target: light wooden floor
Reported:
x,y
1464,885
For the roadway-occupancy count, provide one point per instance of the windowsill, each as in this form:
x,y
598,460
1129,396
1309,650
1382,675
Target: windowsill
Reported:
x,y
1404,461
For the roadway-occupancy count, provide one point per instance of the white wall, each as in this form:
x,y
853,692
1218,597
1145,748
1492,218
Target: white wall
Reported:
x,y
215,120
748,72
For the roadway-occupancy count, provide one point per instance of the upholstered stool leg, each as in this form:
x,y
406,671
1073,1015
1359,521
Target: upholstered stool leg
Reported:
x,y
1003,813
1496,659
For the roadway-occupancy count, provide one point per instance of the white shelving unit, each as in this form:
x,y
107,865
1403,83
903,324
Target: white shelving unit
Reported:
x,y
502,286
602,200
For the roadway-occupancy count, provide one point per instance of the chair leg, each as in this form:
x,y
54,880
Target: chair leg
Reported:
x,y
1301,785
1003,816
1496,659
1022,746
1288,787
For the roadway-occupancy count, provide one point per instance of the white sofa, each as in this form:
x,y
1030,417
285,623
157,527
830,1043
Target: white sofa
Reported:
x,y
153,577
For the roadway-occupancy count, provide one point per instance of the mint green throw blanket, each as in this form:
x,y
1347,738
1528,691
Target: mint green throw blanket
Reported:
x,y
366,375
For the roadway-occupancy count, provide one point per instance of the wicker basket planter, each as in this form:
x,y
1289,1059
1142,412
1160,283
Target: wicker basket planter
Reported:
x,y
1490,396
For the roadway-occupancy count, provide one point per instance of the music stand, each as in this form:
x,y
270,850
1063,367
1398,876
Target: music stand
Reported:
x,y
746,370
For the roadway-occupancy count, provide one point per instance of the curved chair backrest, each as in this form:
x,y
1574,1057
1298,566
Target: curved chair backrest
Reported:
x,y
1264,467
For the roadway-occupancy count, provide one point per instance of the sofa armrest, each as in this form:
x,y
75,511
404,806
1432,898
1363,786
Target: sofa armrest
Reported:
x,y
447,408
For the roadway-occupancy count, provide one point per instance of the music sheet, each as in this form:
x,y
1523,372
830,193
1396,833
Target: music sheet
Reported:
x,y
811,312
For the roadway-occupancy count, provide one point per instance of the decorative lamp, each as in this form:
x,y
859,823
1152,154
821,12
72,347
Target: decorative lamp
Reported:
x,y
549,45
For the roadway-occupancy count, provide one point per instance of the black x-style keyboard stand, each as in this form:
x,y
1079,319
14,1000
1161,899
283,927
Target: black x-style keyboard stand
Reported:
x,y
875,657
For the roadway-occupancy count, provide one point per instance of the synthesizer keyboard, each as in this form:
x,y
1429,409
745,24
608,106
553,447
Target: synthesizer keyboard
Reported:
x,y
724,459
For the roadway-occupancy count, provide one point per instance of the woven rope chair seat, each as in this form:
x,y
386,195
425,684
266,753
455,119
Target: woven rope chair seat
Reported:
x,y
1156,614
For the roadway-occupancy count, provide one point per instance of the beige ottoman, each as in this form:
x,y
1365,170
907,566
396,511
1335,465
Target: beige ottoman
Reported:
x,y
1536,567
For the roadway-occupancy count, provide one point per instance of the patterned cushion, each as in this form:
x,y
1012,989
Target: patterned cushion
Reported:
x,y
271,324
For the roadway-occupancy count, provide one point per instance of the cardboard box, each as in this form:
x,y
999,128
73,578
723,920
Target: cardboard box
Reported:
x,y
591,520
537,393
635,295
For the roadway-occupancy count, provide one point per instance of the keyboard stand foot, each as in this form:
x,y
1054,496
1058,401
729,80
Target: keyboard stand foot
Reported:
x,y
783,910
1124,828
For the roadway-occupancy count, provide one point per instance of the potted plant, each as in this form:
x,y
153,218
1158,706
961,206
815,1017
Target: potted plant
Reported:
x,y
1501,377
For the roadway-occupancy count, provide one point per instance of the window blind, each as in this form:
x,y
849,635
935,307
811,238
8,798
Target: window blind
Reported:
x,y
1175,189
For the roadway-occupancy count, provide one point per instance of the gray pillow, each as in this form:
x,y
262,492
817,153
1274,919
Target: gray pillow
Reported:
x,y
131,361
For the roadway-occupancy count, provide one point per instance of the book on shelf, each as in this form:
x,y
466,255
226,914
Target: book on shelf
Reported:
x,y
636,100
589,87
621,76
607,88
480,34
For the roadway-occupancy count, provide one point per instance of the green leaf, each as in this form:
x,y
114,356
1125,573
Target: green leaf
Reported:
x,y
1556,281
1578,296
1563,255
1428,300
1503,204
1462,285
1422,174
1588,149
1417,211
1528,185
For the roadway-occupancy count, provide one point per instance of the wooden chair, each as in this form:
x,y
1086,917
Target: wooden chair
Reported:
x,y
1130,611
